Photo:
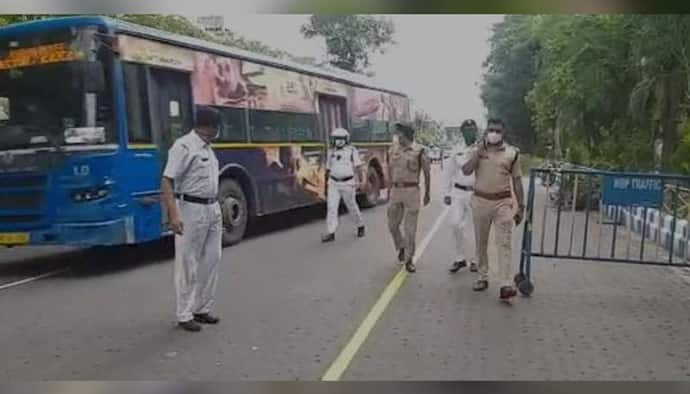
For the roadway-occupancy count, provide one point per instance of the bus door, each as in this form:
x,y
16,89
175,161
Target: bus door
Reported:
x,y
170,103
332,114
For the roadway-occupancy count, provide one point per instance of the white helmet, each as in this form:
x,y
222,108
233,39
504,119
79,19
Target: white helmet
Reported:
x,y
340,133
340,137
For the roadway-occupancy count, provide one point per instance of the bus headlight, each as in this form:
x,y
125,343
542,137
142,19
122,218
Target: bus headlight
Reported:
x,y
90,194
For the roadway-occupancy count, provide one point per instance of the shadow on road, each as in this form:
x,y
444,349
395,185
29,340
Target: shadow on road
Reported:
x,y
34,261
100,261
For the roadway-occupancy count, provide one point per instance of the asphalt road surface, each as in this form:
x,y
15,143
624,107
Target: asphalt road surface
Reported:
x,y
294,309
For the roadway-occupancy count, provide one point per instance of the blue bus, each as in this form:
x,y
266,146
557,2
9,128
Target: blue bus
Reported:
x,y
89,107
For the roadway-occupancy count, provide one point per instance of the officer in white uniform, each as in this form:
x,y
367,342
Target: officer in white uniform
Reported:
x,y
195,218
457,191
342,165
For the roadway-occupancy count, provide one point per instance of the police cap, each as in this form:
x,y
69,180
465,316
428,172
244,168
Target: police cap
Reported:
x,y
469,123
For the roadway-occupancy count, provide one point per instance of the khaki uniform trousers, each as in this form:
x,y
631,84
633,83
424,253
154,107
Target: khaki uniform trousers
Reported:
x,y
499,214
404,209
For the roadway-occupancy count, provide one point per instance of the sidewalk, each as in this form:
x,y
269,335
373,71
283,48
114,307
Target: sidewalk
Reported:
x,y
585,321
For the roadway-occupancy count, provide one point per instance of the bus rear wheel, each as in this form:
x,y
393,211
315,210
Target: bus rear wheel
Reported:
x,y
233,206
373,193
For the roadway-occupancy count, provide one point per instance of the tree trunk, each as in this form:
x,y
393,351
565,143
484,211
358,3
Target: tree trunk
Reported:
x,y
673,90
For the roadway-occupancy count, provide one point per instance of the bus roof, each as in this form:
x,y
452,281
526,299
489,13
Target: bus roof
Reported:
x,y
119,26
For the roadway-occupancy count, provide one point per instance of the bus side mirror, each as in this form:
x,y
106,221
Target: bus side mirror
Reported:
x,y
94,77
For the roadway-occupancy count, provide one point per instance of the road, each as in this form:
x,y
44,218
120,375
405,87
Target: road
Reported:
x,y
291,305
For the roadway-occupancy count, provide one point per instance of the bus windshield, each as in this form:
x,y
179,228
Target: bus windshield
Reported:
x,y
45,101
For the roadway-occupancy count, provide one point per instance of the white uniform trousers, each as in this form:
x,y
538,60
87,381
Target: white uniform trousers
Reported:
x,y
345,191
197,257
460,218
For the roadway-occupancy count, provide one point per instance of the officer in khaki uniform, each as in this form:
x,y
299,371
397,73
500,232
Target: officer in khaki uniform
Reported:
x,y
407,160
496,166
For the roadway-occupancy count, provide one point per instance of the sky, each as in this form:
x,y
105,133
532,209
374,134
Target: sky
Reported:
x,y
437,59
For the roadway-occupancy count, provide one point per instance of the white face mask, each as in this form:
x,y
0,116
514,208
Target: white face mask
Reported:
x,y
494,138
339,143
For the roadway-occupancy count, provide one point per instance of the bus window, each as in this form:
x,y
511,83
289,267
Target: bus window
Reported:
x,y
302,127
234,124
268,126
138,123
361,130
380,131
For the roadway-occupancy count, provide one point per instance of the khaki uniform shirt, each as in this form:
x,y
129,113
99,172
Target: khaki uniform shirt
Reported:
x,y
406,163
497,168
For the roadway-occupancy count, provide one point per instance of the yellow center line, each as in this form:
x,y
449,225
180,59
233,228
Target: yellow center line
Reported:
x,y
342,362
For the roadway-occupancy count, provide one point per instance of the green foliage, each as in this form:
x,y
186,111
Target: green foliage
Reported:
x,y
351,39
510,75
600,89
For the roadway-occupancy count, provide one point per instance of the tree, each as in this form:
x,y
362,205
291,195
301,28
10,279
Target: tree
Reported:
x,y
605,87
510,74
351,39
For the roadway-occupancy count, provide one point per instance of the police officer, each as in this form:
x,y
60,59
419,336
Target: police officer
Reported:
x,y
457,191
195,218
342,166
496,166
407,160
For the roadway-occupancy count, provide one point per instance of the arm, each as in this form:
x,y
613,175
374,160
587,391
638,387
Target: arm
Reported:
x,y
390,173
471,165
516,175
170,206
449,171
360,172
174,169
426,168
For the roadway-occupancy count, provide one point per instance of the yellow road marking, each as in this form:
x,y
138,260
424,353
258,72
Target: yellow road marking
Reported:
x,y
342,362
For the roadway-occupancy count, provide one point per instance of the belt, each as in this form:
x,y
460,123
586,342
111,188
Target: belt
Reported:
x,y
345,179
494,196
405,184
196,200
462,187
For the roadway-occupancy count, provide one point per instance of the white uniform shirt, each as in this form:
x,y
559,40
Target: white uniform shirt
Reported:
x,y
452,171
193,167
342,162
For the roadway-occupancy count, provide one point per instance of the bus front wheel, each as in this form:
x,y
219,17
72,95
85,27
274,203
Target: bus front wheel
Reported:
x,y
233,205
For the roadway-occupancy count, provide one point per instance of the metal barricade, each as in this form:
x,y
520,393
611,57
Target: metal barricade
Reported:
x,y
590,215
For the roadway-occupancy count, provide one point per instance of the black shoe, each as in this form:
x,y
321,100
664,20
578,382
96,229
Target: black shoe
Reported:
x,y
401,255
189,325
205,318
410,267
360,232
480,285
473,267
457,266
328,238
507,293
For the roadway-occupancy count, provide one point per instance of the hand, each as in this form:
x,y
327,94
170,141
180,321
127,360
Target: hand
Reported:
x,y
176,226
446,200
482,146
427,199
519,216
